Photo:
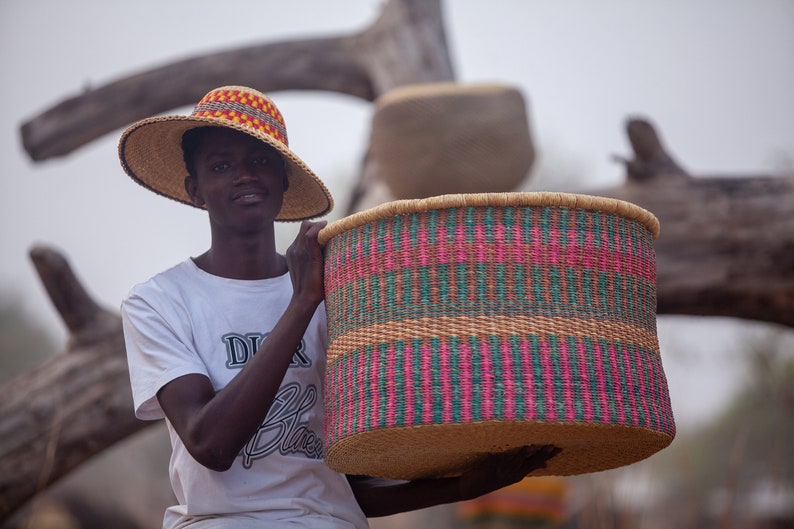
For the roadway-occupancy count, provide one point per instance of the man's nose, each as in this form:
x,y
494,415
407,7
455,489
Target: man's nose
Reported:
x,y
244,175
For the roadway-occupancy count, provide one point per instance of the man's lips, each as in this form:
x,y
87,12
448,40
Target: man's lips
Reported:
x,y
250,195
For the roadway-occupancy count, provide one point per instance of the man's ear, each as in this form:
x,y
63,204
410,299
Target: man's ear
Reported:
x,y
286,173
191,187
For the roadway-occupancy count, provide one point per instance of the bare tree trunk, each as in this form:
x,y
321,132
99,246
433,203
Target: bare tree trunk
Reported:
x,y
405,45
74,405
726,246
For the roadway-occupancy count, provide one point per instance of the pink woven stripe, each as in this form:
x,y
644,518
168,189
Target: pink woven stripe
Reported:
x,y
388,254
508,377
617,382
464,365
487,383
447,384
405,254
360,401
548,380
363,266
391,387
601,382
479,244
358,264
461,250
530,411
408,373
427,385
568,396
423,247
643,390
629,381
373,267
584,387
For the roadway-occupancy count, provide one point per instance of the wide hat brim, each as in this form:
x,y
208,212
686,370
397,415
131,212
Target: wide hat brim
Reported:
x,y
151,154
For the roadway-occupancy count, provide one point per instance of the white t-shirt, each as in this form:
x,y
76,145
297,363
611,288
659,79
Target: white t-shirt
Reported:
x,y
186,321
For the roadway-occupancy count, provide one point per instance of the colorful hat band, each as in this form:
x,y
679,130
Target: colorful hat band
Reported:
x,y
240,107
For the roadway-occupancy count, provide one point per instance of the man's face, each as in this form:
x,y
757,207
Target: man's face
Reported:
x,y
239,179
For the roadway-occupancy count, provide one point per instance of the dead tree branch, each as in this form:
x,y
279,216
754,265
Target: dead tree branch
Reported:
x,y
73,406
727,243
406,44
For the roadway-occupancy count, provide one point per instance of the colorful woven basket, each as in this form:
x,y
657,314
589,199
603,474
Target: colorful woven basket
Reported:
x,y
466,324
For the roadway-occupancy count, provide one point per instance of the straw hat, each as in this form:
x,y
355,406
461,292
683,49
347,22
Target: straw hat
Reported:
x,y
434,139
151,150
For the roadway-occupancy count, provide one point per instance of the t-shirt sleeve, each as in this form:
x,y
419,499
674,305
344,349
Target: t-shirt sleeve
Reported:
x,y
157,353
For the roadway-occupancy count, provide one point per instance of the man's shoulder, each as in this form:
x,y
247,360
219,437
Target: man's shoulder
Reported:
x,y
168,280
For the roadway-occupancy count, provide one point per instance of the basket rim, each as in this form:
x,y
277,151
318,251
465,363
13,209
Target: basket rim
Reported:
x,y
529,198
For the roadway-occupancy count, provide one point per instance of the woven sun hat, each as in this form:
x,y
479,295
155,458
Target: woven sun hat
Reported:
x,y
151,150
463,325
443,138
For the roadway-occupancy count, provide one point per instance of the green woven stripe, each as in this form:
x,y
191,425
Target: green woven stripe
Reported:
x,y
400,381
610,383
561,382
554,284
436,376
592,379
499,282
519,377
408,288
497,376
576,385
419,396
385,391
476,378
443,291
635,384
366,388
526,224
623,386
462,283
537,377
454,366
425,286
432,227
481,279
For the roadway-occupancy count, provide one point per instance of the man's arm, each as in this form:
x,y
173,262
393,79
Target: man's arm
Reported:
x,y
383,497
215,427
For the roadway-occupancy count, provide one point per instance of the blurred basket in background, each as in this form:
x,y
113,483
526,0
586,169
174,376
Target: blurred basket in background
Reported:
x,y
466,324
437,138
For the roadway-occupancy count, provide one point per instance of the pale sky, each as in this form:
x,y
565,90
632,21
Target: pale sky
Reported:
x,y
715,76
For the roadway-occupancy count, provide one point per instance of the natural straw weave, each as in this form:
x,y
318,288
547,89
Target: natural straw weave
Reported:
x,y
466,324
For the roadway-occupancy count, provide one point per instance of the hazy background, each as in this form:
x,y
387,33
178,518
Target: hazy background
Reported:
x,y
715,76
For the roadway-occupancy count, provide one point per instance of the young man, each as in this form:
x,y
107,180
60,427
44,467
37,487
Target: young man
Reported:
x,y
229,347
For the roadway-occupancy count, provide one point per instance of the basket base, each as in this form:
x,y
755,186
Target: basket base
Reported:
x,y
446,450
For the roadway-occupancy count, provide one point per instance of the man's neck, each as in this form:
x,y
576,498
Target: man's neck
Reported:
x,y
243,258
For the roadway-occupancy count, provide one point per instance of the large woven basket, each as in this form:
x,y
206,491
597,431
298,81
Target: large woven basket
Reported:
x,y
466,324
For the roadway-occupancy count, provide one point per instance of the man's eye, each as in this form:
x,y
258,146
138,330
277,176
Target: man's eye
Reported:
x,y
263,161
220,167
